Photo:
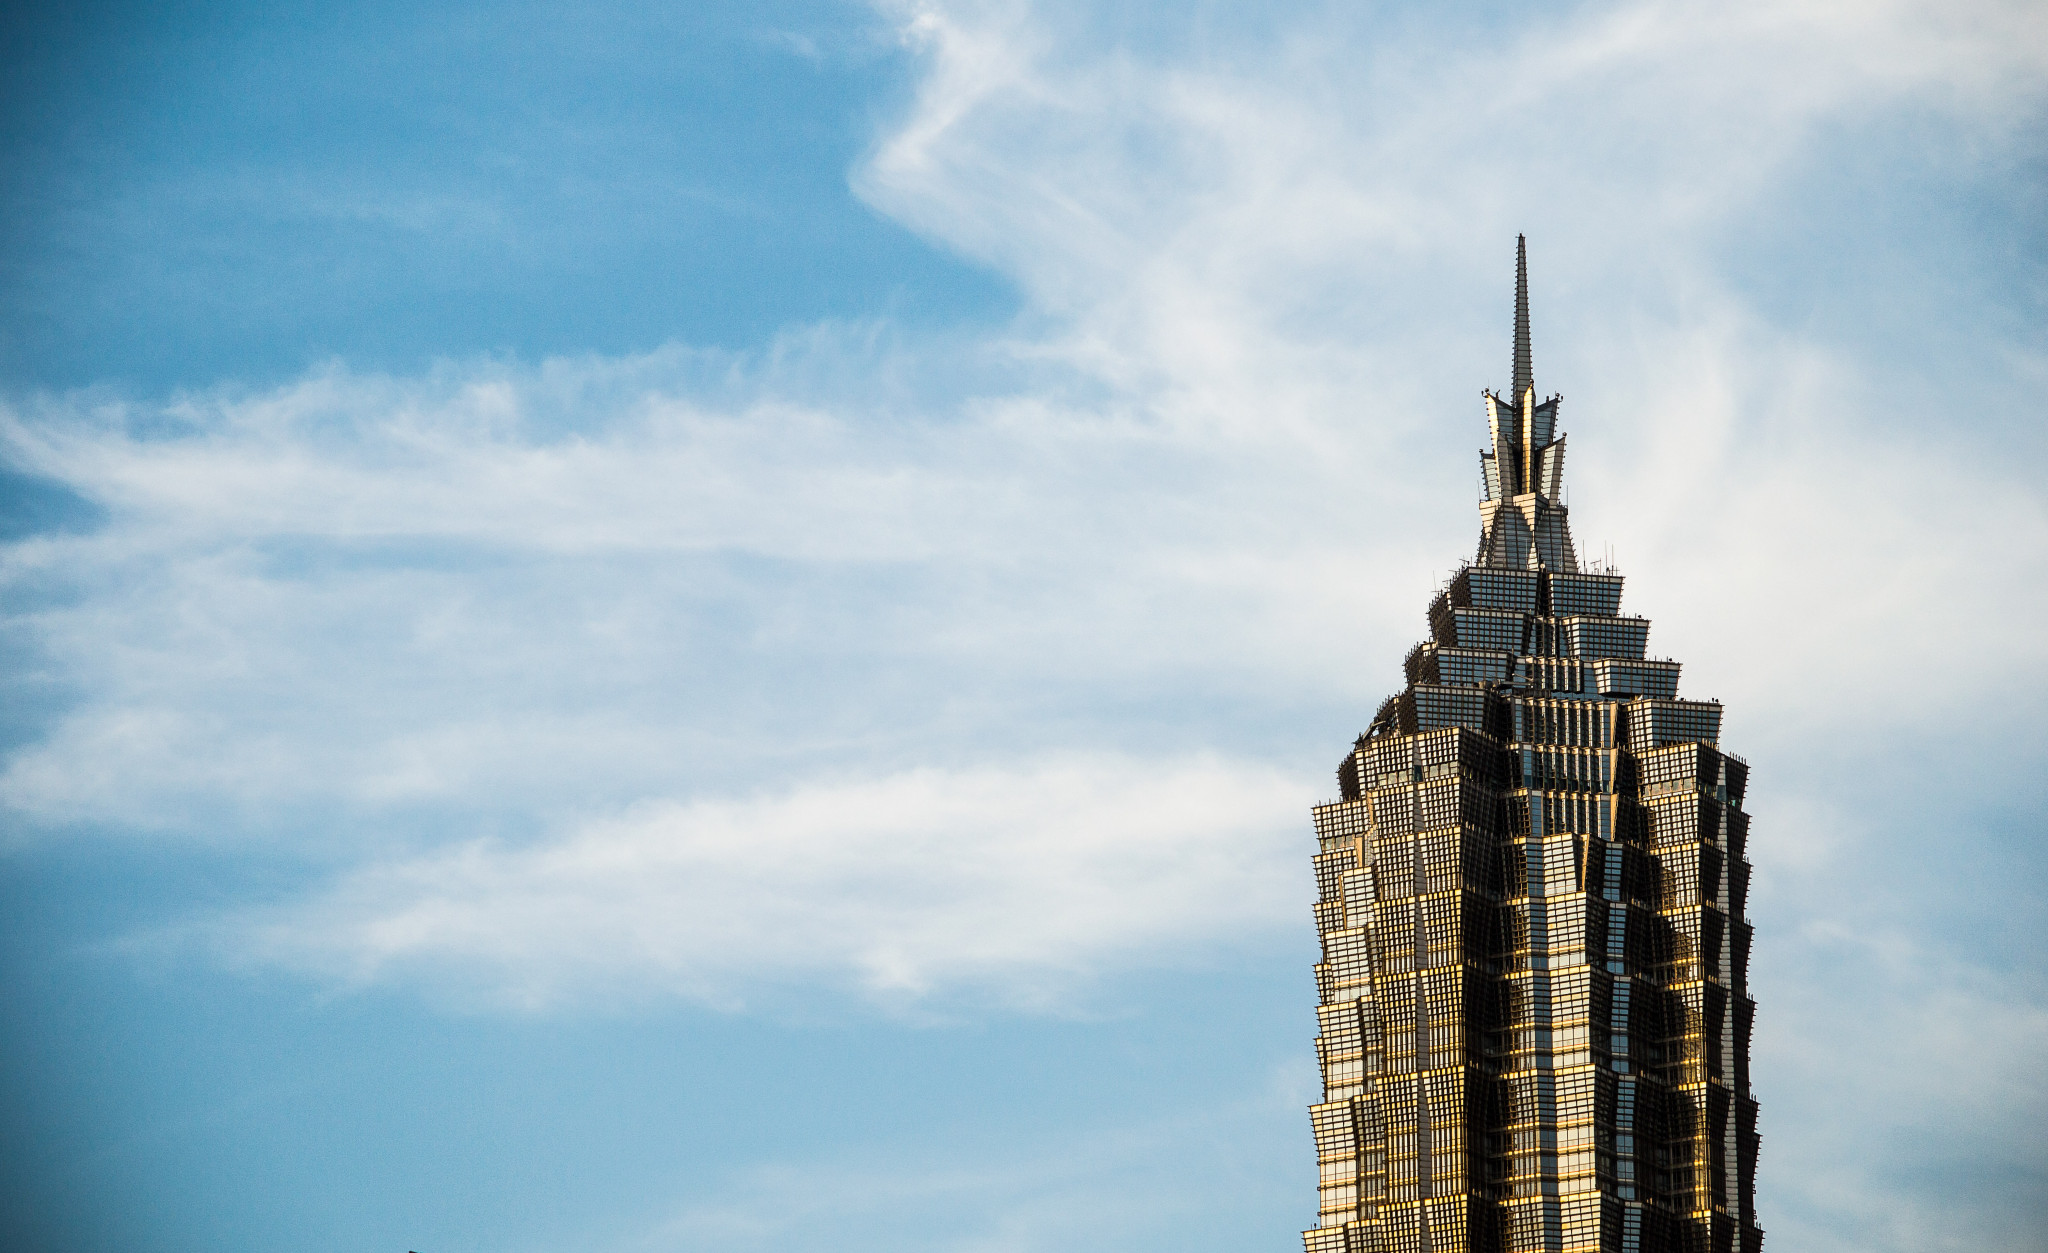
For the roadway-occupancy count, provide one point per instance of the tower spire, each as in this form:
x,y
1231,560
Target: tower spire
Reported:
x,y
1524,378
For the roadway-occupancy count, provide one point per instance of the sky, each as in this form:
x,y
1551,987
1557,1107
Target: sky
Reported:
x,y
713,627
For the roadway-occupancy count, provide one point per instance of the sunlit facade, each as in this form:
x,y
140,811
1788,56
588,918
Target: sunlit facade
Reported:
x,y
1535,1015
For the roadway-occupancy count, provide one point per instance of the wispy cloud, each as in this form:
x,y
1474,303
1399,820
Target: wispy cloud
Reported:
x,y
367,592
872,659
949,671
1022,881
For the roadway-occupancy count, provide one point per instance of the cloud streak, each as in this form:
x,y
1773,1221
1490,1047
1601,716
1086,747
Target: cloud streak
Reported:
x,y
1028,880
952,671
955,671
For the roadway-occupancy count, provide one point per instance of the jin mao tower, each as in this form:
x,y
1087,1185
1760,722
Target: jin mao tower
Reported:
x,y
1534,1009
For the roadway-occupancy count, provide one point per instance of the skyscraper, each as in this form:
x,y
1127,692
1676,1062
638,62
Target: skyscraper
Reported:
x,y
1534,1018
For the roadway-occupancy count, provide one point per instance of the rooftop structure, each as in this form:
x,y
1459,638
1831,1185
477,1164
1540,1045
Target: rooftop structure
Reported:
x,y
1535,1016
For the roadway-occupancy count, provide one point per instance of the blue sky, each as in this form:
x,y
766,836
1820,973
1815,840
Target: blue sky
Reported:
x,y
714,629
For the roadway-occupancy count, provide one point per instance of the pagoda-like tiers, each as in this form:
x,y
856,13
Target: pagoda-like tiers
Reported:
x,y
1535,1015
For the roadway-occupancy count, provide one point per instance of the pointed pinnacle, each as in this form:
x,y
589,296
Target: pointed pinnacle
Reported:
x,y
1524,377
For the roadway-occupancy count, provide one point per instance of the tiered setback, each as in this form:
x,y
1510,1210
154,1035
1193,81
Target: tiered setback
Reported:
x,y
1535,1015
1535,1006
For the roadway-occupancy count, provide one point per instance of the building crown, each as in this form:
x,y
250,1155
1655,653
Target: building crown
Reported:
x,y
1522,513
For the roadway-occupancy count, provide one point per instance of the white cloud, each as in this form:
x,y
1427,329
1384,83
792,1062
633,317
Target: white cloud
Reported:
x,y
1196,492
1215,223
355,593
1020,881
953,672
1215,463
945,671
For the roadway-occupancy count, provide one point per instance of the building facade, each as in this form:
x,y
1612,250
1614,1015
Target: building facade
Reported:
x,y
1535,1017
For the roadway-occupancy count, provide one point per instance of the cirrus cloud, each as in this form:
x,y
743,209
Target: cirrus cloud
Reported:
x,y
1023,881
